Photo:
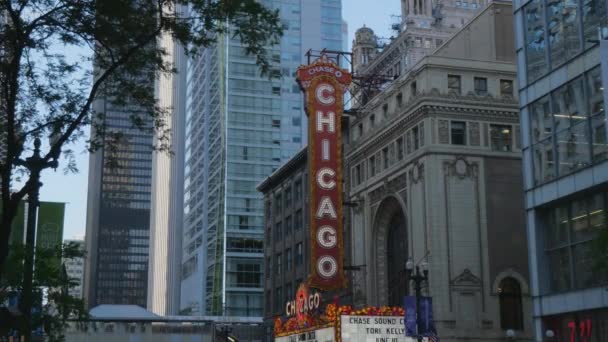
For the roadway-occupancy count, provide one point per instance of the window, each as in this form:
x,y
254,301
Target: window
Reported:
x,y
570,121
358,179
297,221
595,91
454,84
579,326
418,42
511,311
415,137
563,32
413,89
500,137
399,100
385,158
481,85
595,14
372,166
438,42
570,229
288,259
428,43
288,197
400,148
278,265
289,291
372,120
535,39
299,254
297,189
278,232
506,88
458,132
278,299
277,205
288,225
360,129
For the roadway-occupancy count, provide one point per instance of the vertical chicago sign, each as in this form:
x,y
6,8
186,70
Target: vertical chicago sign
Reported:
x,y
324,84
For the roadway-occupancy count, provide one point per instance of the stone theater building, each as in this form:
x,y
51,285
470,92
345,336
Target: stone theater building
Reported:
x,y
434,172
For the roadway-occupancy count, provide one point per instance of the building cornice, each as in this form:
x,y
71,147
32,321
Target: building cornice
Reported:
x,y
284,171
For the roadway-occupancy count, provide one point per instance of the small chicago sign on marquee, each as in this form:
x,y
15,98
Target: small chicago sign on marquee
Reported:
x,y
324,84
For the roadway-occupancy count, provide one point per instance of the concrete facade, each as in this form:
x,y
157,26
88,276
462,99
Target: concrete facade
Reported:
x,y
434,174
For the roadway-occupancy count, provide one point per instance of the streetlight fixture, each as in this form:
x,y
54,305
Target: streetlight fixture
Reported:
x,y
35,164
550,334
417,277
510,334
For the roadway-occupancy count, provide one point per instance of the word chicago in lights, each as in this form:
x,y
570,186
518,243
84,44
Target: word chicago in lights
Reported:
x,y
324,84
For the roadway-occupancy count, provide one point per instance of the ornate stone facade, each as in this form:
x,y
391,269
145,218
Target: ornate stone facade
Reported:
x,y
430,183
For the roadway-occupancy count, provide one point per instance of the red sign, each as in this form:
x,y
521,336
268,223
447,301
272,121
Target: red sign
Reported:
x,y
324,84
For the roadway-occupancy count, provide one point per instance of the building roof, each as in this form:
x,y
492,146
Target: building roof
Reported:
x,y
106,311
283,172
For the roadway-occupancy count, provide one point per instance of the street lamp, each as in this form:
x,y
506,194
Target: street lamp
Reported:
x,y
417,277
510,334
35,164
550,335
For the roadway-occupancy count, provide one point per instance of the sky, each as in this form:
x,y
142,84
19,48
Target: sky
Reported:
x,y
72,188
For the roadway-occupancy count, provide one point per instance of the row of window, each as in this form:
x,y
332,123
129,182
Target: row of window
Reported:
x,y
280,297
567,128
454,85
558,30
279,267
570,229
501,139
284,200
283,228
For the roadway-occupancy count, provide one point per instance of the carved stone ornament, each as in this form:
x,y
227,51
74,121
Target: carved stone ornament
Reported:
x,y
461,168
392,186
466,279
416,173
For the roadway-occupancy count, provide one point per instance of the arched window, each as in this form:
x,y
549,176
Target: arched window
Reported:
x,y
396,257
511,312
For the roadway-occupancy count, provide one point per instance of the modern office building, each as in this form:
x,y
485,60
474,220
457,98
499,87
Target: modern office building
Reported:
x,y
434,167
74,268
118,213
562,98
240,127
135,196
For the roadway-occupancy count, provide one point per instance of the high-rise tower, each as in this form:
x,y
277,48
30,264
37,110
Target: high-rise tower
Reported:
x,y
240,127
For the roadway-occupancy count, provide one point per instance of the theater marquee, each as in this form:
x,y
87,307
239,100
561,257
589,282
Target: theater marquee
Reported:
x,y
324,84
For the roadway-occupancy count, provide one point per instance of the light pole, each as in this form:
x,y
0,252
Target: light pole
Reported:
x,y
510,334
417,277
35,164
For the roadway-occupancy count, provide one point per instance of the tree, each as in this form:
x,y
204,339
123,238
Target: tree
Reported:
x,y
47,92
50,275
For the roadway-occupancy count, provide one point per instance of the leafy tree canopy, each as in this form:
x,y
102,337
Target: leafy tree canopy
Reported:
x,y
48,91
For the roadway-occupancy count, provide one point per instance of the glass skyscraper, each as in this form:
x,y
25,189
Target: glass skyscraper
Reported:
x,y
562,78
240,127
118,213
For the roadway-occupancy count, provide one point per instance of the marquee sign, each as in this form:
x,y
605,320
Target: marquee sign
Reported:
x,y
324,84
304,303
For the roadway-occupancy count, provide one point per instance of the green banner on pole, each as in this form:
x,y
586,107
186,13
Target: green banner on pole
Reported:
x,y
49,231
17,236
